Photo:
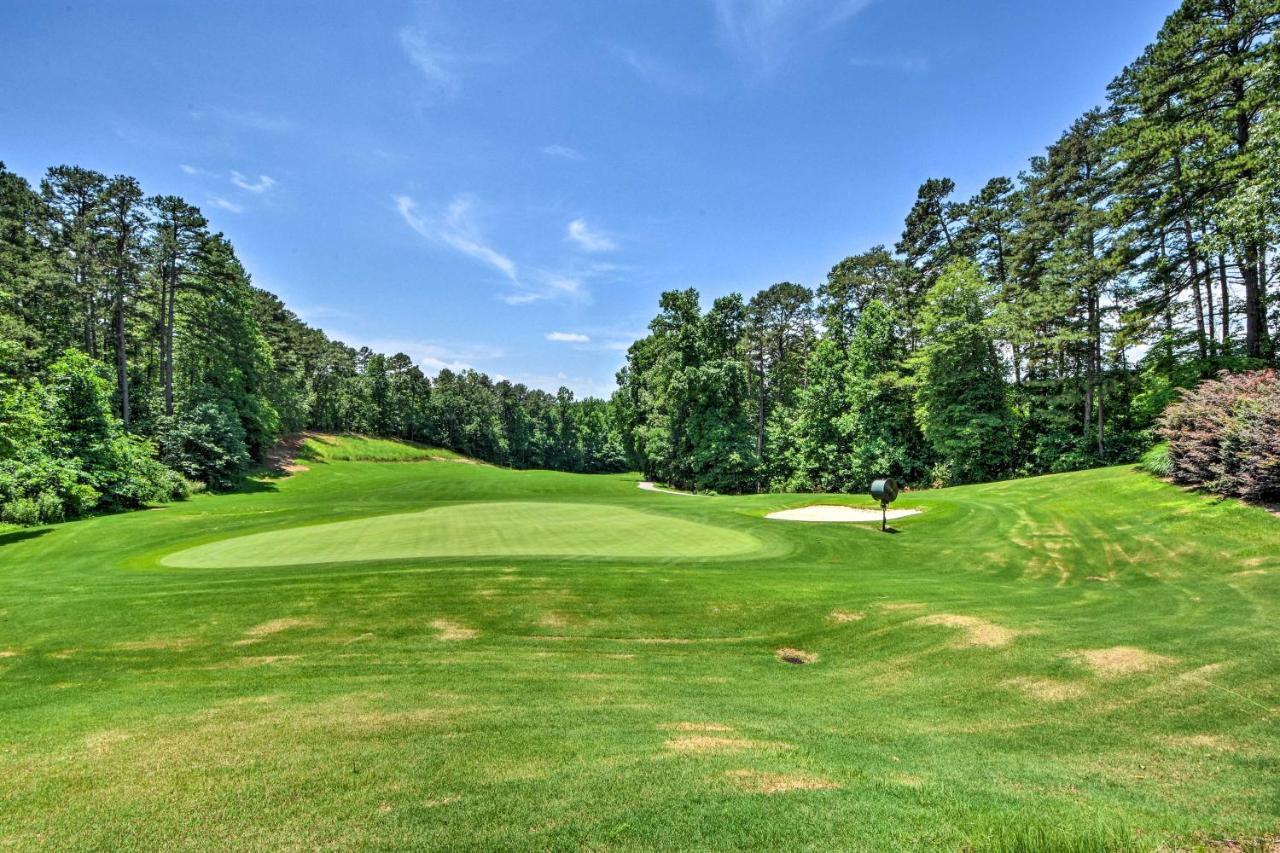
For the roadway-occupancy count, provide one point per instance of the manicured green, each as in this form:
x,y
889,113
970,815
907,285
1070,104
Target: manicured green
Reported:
x,y
490,529
631,697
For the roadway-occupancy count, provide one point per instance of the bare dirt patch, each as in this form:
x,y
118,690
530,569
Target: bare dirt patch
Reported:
x,y
844,616
696,727
440,801
1047,689
452,631
282,459
1120,661
157,644
795,656
758,782
977,632
894,606
713,743
9,653
260,632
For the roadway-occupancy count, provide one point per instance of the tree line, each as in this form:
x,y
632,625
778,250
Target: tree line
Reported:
x,y
137,361
1041,325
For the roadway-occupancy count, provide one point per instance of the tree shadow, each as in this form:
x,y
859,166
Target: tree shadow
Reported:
x,y
22,535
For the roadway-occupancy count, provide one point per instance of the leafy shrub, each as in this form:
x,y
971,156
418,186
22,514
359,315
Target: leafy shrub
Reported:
x,y
50,507
206,442
1224,435
23,511
1156,460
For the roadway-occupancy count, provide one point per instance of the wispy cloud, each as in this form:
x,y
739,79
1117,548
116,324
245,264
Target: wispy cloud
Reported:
x,y
562,151
568,337
762,34
247,119
229,206
909,64
589,239
436,63
659,72
431,356
547,285
456,229
264,183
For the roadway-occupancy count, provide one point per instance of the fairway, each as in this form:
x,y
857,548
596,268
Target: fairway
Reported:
x,y
388,655
497,529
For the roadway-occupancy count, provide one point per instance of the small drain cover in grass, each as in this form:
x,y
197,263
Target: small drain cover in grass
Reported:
x,y
795,656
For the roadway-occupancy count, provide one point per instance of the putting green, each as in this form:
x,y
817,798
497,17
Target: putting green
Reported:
x,y
477,530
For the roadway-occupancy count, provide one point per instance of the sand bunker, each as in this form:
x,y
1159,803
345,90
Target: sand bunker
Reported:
x,y
832,513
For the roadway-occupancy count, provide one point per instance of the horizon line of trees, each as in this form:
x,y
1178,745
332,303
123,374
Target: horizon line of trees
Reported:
x,y
1041,325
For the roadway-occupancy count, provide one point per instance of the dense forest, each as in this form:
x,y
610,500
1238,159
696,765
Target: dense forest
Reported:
x,y
1042,325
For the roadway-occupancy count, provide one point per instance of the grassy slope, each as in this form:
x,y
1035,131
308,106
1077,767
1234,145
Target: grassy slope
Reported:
x,y
530,702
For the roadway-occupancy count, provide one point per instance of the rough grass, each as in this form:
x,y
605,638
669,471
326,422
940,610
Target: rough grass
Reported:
x,y
529,702
361,448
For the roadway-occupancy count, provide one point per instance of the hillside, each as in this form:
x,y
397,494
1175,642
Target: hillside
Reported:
x,y
387,655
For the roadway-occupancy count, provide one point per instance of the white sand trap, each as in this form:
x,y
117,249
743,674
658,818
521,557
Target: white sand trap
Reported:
x,y
654,487
830,513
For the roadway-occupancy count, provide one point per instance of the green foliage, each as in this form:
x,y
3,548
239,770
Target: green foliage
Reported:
x,y
1156,461
206,442
962,400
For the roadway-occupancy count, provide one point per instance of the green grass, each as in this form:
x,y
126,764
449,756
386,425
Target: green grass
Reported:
x,y
1079,662
360,448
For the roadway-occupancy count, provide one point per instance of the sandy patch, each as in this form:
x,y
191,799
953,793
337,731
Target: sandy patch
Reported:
x,y
712,743
9,653
248,662
275,626
174,644
1120,661
654,487
777,783
696,727
977,632
837,514
1046,689
553,620
844,616
451,631
440,801
894,606
795,655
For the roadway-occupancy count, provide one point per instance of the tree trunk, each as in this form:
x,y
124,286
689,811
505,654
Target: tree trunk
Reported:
x,y
1225,298
122,356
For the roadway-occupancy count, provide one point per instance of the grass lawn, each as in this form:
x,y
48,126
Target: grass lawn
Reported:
x,y
371,655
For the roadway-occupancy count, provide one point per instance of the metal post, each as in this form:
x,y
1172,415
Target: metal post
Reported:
x,y
884,517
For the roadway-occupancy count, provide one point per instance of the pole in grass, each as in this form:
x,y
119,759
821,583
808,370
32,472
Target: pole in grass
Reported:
x,y
885,491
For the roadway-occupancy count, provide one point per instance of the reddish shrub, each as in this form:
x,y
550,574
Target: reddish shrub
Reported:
x,y
1224,435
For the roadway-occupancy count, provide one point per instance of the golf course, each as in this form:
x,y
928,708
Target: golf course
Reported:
x,y
393,647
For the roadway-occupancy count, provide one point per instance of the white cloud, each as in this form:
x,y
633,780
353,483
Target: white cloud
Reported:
x,y
589,239
431,356
190,170
659,72
456,230
231,207
433,61
763,33
563,151
264,183
568,337
247,119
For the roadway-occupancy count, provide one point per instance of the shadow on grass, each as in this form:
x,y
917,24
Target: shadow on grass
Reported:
x,y
22,535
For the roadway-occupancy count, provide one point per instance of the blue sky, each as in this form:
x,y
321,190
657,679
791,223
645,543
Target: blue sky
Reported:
x,y
509,186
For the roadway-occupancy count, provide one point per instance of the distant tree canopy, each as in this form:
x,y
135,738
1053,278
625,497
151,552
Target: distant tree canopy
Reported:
x,y
1043,324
